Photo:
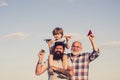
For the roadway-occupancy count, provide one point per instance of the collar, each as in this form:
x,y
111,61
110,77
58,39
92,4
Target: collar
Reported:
x,y
77,55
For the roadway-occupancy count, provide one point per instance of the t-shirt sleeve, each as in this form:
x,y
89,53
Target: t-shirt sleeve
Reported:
x,y
45,63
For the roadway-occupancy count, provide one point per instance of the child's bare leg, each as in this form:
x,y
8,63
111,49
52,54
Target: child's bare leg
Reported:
x,y
50,61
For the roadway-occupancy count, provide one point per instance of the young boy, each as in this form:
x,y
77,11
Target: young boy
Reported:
x,y
58,35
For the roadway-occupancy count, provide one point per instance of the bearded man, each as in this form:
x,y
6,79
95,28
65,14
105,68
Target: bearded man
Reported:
x,y
57,60
80,61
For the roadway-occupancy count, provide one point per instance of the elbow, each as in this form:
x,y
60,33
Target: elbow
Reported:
x,y
38,73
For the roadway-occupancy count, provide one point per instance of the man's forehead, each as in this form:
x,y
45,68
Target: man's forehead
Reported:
x,y
59,46
77,43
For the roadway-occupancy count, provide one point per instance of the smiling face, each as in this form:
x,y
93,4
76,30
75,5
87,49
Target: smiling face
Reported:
x,y
58,33
58,36
76,48
58,51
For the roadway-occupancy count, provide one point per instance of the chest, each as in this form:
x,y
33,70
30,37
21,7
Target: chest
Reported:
x,y
81,62
58,64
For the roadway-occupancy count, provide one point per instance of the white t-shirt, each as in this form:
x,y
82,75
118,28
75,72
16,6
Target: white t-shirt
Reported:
x,y
55,76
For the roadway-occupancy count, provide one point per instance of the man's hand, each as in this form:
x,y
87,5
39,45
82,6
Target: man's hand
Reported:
x,y
92,40
91,37
41,55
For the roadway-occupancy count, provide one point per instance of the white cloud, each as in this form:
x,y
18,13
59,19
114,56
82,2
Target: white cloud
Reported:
x,y
113,44
3,3
17,35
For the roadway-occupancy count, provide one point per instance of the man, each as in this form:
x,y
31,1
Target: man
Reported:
x,y
55,70
80,60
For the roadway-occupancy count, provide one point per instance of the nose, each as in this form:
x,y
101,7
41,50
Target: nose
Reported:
x,y
58,49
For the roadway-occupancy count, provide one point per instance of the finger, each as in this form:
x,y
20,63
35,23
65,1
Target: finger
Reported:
x,y
67,36
91,35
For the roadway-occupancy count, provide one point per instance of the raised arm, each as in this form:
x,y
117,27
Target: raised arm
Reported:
x,y
95,52
92,40
67,41
39,67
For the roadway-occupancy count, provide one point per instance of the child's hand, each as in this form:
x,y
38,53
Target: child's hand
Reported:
x,y
67,38
50,42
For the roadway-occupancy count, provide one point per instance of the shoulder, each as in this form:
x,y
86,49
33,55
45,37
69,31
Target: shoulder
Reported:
x,y
50,55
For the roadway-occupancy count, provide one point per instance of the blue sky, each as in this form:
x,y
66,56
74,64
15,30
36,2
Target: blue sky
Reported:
x,y
25,23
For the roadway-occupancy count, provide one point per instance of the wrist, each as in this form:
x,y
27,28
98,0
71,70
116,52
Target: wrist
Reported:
x,y
39,63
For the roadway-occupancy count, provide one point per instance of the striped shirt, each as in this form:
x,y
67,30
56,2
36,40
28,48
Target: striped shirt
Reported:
x,y
81,64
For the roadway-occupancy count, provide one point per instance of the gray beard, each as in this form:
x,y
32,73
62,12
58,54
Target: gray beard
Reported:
x,y
75,53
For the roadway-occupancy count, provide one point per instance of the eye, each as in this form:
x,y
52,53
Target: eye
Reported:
x,y
76,46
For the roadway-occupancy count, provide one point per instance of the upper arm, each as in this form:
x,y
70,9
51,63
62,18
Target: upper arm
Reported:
x,y
41,68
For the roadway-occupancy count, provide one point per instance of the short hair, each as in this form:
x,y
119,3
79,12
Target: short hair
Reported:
x,y
59,44
57,30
